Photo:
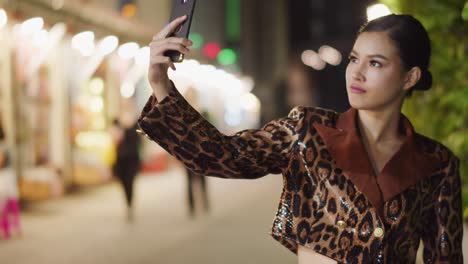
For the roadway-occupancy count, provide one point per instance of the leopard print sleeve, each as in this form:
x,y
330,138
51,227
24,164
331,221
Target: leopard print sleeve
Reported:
x,y
185,134
443,224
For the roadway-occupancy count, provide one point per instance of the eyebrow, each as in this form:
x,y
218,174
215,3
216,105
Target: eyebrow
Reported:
x,y
372,55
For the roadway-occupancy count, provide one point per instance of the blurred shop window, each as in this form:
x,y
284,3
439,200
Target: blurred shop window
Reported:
x,y
92,146
40,177
36,116
40,124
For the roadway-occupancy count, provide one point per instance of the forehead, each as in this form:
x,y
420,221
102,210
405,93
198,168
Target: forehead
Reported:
x,y
375,43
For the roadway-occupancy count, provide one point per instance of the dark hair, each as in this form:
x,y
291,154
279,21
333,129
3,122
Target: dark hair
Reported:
x,y
412,41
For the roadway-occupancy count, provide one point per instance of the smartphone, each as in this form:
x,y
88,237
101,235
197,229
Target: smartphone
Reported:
x,y
180,8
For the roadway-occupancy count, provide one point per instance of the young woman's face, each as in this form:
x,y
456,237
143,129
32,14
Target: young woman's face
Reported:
x,y
375,75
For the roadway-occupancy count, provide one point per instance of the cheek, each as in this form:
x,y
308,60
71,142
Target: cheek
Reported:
x,y
381,80
384,85
348,75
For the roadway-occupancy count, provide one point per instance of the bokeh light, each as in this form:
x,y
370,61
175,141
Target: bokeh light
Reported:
x,y
227,57
211,50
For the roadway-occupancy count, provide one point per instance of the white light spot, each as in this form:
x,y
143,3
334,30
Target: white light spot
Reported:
x,y
330,55
32,25
128,50
376,11
312,59
127,90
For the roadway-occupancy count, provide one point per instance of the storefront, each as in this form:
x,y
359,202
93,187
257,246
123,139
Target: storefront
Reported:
x,y
8,187
59,96
38,108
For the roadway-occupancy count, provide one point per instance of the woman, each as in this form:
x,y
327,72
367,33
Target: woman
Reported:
x,y
359,187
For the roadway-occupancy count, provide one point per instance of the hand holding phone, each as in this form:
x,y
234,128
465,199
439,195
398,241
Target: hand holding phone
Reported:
x,y
180,8
159,63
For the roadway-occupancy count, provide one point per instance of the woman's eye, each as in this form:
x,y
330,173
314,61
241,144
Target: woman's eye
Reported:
x,y
352,59
376,64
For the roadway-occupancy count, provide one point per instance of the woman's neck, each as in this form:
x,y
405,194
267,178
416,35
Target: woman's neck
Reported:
x,y
379,126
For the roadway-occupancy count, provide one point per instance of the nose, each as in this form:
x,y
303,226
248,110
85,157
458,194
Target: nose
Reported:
x,y
357,73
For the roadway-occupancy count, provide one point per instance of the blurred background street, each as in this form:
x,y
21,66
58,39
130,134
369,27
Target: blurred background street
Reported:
x,y
91,227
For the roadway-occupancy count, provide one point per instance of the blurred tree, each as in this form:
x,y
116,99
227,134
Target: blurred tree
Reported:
x,y
442,113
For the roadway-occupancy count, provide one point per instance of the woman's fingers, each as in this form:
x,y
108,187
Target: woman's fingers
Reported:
x,y
161,48
158,49
182,41
157,60
171,64
178,47
171,27
161,43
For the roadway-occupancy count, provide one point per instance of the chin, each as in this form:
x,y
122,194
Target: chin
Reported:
x,y
355,102
360,104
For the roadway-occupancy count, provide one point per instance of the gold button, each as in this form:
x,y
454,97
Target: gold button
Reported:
x,y
342,224
378,232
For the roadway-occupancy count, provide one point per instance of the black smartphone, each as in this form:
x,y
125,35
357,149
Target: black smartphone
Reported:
x,y
181,8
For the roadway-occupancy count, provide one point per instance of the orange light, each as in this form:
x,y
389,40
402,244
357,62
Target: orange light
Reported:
x,y
129,10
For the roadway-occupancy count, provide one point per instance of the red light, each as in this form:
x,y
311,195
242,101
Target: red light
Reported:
x,y
211,50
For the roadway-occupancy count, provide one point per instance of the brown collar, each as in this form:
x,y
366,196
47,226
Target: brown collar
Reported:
x,y
409,165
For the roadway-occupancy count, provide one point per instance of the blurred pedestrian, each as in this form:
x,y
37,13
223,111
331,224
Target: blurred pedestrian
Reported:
x,y
299,86
196,187
197,192
127,162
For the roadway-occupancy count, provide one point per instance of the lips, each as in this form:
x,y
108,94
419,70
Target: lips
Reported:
x,y
357,89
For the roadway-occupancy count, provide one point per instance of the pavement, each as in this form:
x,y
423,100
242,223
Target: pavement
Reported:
x,y
91,226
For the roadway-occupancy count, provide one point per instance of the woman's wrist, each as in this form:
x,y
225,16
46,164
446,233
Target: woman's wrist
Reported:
x,y
161,89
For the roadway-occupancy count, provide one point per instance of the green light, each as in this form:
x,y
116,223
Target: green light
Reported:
x,y
227,57
233,20
197,40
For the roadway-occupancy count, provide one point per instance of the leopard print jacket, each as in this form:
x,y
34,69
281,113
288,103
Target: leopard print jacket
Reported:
x,y
330,202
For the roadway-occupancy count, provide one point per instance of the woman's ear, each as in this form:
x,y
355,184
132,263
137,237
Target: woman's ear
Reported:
x,y
412,77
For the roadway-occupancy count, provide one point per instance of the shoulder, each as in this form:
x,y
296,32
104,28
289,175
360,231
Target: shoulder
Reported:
x,y
436,149
446,164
